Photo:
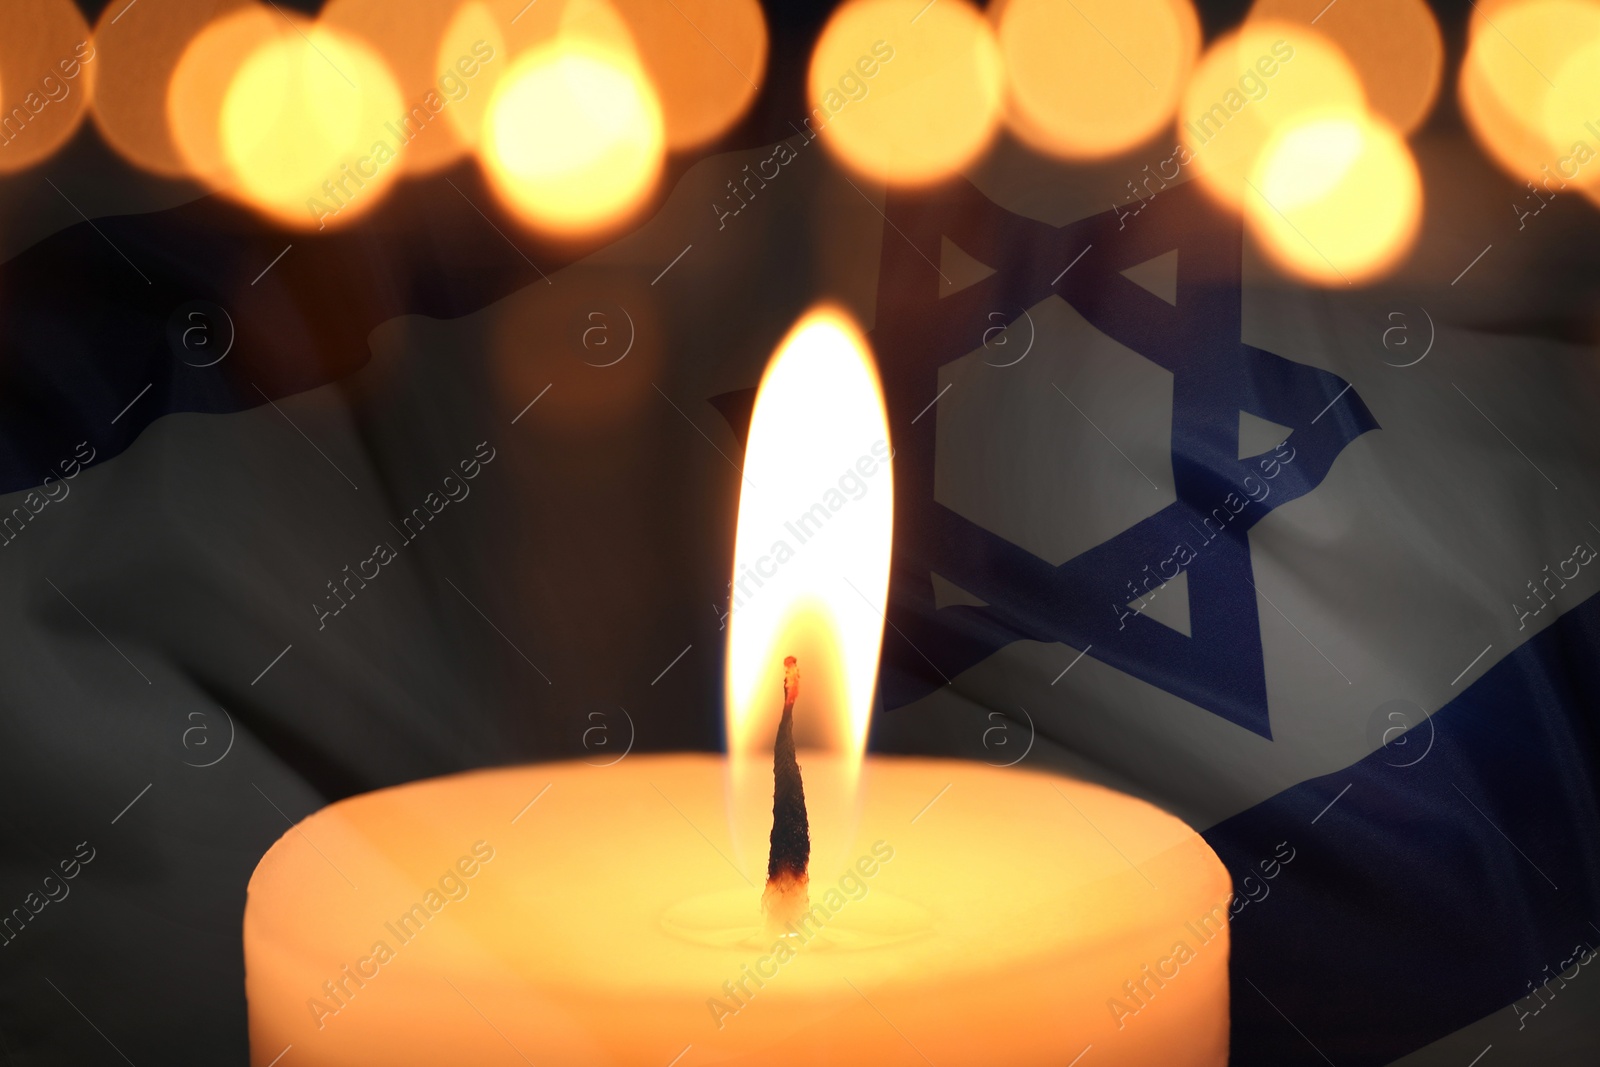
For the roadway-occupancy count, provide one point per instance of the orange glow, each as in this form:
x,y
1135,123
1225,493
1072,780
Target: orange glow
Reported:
x,y
429,70
593,930
573,140
1485,12
1522,121
1394,46
48,59
474,21
136,59
1091,78
200,81
706,59
514,28
1233,105
303,128
811,558
1337,200
906,101
1568,123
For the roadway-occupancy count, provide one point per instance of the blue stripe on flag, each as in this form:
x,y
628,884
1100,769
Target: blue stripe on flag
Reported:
x,y
1427,896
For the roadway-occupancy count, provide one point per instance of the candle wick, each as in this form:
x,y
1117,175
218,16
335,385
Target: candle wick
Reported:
x,y
785,896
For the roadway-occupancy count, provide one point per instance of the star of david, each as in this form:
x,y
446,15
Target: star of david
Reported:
x,y
1220,666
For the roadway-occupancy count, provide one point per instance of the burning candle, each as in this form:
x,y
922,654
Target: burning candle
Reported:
x,y
791,904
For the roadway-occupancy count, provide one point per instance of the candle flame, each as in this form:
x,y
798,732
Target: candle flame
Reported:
x,y
811,556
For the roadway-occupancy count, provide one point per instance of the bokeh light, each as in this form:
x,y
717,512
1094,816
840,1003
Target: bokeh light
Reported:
x,y
200,81
513,29
1523,80
1570,122
136,60
1336,199
1487,12
305,128
474,21
574,140
1394,46
706,59
433,75
1264,77
905,92
1092,78
47,57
